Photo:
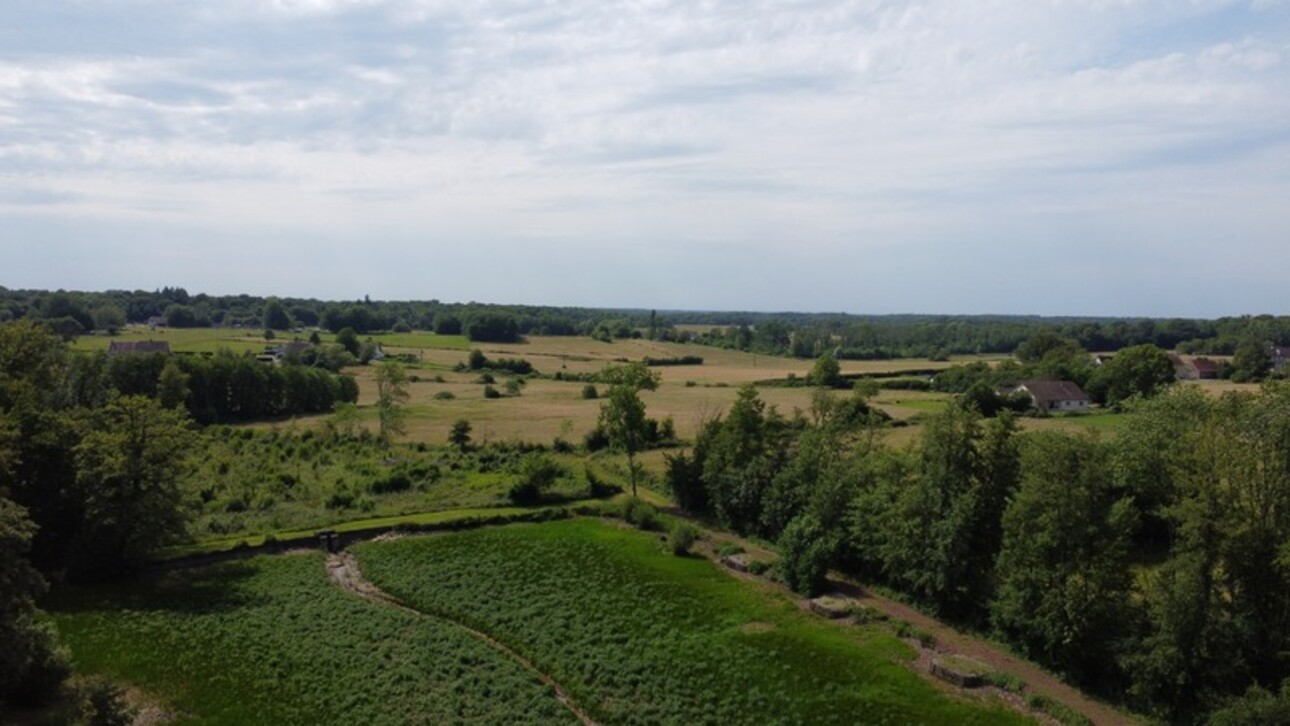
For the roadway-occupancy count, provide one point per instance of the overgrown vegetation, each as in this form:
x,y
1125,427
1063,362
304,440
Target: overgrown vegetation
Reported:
x,y
270,640
640,636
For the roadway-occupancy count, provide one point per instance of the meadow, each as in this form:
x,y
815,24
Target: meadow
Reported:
x,y
271,640
637,635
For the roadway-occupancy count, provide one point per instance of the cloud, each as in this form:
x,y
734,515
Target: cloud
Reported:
x,y
867,130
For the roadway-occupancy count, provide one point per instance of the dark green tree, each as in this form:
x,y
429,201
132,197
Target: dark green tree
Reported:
x,y
459,435
275,315
622,416
1063,569
128,469
1252,361
391,397
1140,370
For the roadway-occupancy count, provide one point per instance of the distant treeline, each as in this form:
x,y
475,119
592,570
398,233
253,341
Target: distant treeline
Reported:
x,y
802,335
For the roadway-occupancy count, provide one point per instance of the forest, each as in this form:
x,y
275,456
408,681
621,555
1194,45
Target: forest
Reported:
x,y
800,335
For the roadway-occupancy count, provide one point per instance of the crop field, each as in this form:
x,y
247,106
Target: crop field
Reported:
x,y
637,635
184,340
271,640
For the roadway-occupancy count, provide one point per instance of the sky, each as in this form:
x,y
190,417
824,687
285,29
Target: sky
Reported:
x,y
1076,157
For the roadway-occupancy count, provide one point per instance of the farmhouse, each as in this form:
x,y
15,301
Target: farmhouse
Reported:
x,y
1049,396
1280,359
1205,369
1196,369
133,347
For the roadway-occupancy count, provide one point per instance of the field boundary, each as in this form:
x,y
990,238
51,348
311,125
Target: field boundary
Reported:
x,y
343,570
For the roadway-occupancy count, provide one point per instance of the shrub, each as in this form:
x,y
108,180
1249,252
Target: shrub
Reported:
x,y
444,396
726,549
598,489
642,514
485,378
589,392
105,704
490,392
681,538
537,474
596,439
808,552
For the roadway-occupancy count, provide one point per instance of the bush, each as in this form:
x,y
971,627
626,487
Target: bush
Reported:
x,y
598,489
105,704
643,514
596,439
681,538
490,392
485,378
589,392
48,664
444,396
537,474
807,554
726,549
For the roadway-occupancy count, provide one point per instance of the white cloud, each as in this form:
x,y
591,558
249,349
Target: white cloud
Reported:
x,y
860,128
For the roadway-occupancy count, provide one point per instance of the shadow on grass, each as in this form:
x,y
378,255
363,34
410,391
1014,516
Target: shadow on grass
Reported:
x,y
204,591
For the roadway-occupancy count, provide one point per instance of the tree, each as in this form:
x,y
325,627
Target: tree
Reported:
x,y
275,315
1140,370
347,338
391,395
807,551
172,385
492,328
1063,567
1251,361
128,467
622,416
826,373
109,318
459,435
25,645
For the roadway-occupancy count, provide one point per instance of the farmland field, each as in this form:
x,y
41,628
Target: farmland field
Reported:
x,y
270,640
639,636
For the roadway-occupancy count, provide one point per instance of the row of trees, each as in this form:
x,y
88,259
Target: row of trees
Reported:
x,y
224,388
1153,568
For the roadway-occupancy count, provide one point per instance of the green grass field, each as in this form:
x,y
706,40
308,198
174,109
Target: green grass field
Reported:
x,y
272,641
639,636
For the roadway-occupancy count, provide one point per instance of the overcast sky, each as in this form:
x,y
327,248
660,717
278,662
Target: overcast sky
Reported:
x,y
1113,157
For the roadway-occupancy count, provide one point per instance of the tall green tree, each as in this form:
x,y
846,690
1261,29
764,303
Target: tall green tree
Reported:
x,y
1140,370
1251,361
1063,569
391,397
128,468
622,415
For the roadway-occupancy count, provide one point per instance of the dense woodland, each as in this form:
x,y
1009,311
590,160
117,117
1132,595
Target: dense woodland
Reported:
x,y
802,335
1152,568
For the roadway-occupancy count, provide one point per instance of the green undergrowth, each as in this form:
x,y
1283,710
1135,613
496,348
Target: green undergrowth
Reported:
x,y
270,640
248,483
640,636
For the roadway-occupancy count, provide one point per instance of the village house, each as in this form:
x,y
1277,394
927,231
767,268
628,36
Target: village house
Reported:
x,y
1196,369
1051,396
1280,359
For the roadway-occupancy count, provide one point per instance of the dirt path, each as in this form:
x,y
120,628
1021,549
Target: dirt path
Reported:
x,y
343,570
